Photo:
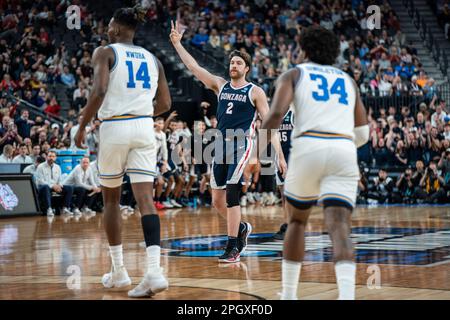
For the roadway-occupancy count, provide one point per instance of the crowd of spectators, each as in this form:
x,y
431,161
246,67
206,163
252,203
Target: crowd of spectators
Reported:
x,y
382,62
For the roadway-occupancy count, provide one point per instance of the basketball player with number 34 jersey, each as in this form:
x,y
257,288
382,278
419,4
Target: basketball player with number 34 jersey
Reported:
x,y
330,123
129,88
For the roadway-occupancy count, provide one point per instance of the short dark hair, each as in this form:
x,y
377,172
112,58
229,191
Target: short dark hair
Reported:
x,y
130,17
244,55
320,45
40,159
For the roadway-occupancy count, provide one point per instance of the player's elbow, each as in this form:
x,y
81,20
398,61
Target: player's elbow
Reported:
x,y
361,135
163,105
100,92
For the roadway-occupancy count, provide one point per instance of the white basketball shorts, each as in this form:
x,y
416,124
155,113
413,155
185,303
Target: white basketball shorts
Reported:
x,y
322,169
127,145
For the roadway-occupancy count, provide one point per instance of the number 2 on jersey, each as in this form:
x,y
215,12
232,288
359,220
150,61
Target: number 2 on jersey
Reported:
x,y
230,108
338,88
141,75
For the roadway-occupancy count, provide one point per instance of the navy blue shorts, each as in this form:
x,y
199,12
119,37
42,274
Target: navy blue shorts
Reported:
x,y
232,163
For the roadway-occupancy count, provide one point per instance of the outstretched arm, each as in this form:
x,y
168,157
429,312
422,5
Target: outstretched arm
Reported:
x,y
209,80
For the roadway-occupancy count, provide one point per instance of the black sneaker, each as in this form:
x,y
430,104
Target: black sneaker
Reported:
x,y
244,231
280,234
230,255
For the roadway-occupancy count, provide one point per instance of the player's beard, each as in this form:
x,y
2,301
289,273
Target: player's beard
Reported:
x,y
236,75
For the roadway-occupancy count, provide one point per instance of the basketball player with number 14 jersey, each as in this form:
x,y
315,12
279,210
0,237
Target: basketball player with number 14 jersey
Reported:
x,y
127,78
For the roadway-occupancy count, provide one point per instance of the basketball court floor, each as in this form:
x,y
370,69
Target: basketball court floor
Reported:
x,y
401,253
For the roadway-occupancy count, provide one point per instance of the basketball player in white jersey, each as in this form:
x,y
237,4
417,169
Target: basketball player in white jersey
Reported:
x,y
127,80
331,122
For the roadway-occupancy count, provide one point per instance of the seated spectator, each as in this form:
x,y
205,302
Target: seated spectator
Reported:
x,y
68,78
444,165
200,38
438,116
362,188
31,169
381,153
8,154
414,148
8,133
422,79
48,180
24,124
447,131
214,39
82,180
406,188
80,96
418,173
22,157
431,188
382,188
53,108
401,157
414,87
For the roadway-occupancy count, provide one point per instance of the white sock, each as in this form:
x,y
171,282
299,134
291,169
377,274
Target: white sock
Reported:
x,y
345,277
116,256
290,274
153,259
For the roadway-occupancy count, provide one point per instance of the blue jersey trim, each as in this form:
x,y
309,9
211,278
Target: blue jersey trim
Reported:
x,y
116,58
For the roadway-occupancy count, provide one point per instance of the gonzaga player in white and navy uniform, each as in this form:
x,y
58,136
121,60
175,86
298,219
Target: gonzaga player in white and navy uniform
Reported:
x,y
330,123
129,88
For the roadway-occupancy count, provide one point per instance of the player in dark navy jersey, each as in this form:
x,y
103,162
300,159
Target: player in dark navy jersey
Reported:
x,y
239,102
285,131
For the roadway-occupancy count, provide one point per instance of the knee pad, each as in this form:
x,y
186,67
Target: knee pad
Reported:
x,y
233,192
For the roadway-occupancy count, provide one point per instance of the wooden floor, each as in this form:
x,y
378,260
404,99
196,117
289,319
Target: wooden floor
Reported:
x,y
410,247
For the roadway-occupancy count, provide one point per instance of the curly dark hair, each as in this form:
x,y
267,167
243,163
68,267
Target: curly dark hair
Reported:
x,y
320,45
130,17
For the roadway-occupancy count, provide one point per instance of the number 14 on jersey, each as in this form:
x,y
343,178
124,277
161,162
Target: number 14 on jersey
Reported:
x,y
141,75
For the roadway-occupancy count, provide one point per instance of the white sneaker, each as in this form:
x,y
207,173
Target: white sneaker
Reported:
x,y
88,211
250,198
243,201
270,199
257,196
150,285
67,211
77,212
278,200
50,212
116,279
175,203
123,209
130,210
167,204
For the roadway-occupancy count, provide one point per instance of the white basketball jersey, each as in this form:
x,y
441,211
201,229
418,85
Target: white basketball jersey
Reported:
x,y
133,81
324,101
